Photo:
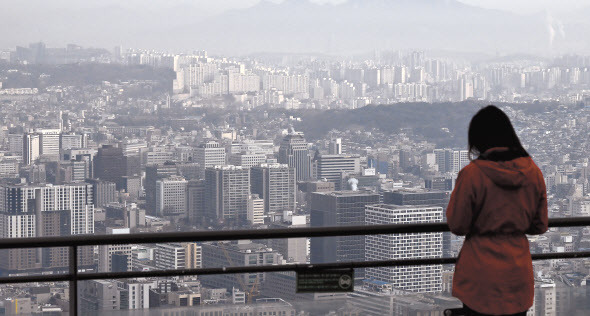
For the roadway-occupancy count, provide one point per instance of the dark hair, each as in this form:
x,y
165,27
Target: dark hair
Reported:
x,y
490,127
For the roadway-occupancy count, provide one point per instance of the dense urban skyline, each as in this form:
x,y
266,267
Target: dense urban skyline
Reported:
x,y
183,116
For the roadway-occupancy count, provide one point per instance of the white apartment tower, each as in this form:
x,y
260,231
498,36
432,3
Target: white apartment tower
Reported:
x,y
422,279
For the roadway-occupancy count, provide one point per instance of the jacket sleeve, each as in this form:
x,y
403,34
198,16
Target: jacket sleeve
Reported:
x,y
540,220
461,204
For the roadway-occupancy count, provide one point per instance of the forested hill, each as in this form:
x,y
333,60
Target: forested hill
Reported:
x,y
428,120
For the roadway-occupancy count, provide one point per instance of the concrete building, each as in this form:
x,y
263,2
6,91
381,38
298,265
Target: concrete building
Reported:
x,y
275,184
255,214
333,168
105,252
405,246
210,154
247,160
293,151
171,197
170,256
227,189
44,210
49,143
30,148
294,250
243,253
110,164
193,254
99,295
137,293
104,192
195,195
152,175
339,208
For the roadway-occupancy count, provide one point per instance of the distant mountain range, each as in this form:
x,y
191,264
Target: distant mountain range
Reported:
x,y
298,26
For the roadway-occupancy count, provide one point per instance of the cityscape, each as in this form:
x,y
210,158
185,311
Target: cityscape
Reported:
x,y
129,140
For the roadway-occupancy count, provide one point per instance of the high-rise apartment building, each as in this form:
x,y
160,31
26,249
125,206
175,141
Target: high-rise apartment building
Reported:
x,y
227,189
275,184
44,210
293,151
405,246
333,168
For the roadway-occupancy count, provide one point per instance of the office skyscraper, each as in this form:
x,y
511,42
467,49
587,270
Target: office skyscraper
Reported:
x,y
104,192
423,197
293,152
171,197
210,154
449,160
339,208
195,196
227,189
275,184
405,246
110,165
49,143
152,175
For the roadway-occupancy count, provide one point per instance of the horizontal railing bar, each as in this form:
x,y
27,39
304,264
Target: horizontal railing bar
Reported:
x,y
201,236
260,269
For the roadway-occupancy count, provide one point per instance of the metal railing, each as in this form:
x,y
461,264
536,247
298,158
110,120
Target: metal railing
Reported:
x,y
73,242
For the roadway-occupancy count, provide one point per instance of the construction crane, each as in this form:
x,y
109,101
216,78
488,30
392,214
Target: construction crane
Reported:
x,y
254,289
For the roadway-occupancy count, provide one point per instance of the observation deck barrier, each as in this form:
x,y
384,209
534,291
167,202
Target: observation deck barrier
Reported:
x,y
73,242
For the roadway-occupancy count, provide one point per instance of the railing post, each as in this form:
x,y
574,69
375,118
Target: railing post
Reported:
x,y
73,252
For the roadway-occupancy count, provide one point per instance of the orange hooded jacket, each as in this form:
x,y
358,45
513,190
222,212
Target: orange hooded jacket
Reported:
x,y
495,203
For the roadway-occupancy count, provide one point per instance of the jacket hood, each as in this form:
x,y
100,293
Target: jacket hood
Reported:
x,y
509,174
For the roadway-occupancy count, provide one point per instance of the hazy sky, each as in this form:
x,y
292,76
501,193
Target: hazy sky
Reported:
x,y
517,6
185,24
216,6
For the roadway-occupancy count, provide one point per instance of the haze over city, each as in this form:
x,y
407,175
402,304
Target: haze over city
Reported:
x,y
172,118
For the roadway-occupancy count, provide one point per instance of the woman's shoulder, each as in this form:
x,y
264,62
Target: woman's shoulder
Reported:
x,y
470,169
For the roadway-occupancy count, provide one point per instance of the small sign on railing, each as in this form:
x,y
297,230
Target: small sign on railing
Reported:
x,y
328,280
